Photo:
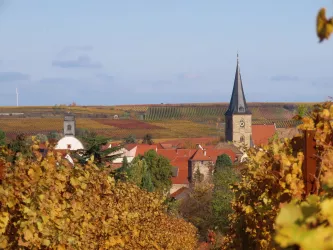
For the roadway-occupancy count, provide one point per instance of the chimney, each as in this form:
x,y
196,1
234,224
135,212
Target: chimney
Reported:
x,y
204,152
274,125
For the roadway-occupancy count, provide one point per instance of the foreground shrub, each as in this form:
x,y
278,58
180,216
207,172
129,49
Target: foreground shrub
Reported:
x,y
308,224
273,175
196,208
48,204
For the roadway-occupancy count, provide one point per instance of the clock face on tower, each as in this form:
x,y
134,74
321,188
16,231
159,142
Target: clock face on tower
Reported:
x,y
242,123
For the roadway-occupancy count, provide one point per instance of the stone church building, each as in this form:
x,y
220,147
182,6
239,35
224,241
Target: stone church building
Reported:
x,y
238,119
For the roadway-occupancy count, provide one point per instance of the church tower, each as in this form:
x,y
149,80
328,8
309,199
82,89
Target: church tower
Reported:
x,y
69,125
238,118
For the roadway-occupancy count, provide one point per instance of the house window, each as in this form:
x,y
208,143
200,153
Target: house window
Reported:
x,y
69,127
69,146
242,139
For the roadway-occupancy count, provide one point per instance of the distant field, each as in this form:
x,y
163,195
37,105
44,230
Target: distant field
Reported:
x,y
161,120
127,124
46,124
116,129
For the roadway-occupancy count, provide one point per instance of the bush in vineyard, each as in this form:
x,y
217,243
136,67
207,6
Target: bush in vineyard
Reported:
x,y
45,203
272,176
309,224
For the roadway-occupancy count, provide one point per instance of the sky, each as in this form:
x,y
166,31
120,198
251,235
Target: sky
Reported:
x,y
111,52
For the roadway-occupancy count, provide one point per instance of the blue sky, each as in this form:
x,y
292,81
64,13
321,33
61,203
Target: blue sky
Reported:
x,y
110,52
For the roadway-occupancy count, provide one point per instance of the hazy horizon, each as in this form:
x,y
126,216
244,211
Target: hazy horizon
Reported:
x,y
126,52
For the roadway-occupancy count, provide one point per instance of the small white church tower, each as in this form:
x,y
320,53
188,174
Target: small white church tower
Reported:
x,y
69,141
69,125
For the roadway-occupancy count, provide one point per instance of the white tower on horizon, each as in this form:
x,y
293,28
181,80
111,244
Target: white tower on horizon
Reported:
x,y
16,97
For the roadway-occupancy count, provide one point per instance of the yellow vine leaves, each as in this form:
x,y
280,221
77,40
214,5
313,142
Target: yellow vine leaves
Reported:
x,y
308,223
49,204
324,25
273,176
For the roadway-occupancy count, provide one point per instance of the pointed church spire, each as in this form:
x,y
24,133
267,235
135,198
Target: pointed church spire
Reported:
x,y
237,103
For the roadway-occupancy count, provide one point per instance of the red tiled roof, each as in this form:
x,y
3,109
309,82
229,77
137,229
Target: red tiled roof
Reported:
x,y
172,154
130,146
181,142
182,164
212,154
166,145
143,148
261,133
186,152
167,153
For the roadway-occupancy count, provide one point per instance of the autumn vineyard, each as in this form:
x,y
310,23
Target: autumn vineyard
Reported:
x,y
279,198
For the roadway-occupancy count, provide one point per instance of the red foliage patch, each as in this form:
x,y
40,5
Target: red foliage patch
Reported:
x,y
127,124
2,170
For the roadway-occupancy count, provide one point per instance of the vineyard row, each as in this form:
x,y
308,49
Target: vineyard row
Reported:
x,y
204,113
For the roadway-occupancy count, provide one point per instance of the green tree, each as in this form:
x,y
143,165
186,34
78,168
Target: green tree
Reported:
x,y
95,146
223,196
147,183
122,172
124,164
2,138
129,139
224,175
148,139
159,168
136,171
222,161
